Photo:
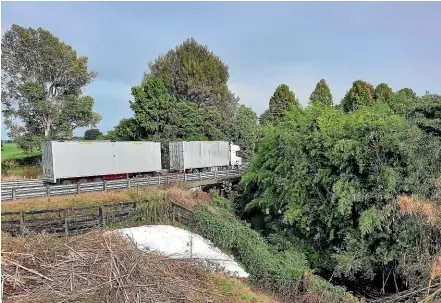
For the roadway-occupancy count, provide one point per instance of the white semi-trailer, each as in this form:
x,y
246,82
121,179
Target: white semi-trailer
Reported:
x,y
84,161
200,156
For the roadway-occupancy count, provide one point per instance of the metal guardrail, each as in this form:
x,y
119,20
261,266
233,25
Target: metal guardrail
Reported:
x,y
36,190
22,183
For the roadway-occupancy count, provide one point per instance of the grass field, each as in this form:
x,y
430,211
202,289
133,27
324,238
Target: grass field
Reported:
x,y
16,164
11,151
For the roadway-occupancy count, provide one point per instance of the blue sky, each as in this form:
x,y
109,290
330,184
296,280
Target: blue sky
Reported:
x,y
264,43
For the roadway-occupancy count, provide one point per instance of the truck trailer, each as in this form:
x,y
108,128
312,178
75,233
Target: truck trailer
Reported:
x,y
66,162
202,156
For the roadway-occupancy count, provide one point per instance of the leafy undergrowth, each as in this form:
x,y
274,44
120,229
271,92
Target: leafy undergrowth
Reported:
x,y
101,267
286,273
181,196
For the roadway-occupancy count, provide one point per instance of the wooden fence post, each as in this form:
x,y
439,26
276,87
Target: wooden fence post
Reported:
x,y
215,174
200,176
66,222
14,194
101,216
228,173
22,223
168,179
128,182
48,190
78,188
105,185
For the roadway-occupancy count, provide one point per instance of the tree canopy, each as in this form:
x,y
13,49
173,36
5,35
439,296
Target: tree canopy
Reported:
x,y
321,94
336,177
383,93
193,73
281,102
360,94
42,81
92,134
244,131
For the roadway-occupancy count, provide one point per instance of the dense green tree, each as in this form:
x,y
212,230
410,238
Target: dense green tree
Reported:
x,y
335,179
161,116
195,74
42,79
321,94
426,114
92,134
408,92
383,93
125,130
265,118
282,101
360,94
214,127
244,131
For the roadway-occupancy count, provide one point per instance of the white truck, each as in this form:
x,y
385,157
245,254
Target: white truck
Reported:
x,y
203,156
68,162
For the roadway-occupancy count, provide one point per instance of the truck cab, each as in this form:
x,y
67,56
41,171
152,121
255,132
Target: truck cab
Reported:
x,y
235,160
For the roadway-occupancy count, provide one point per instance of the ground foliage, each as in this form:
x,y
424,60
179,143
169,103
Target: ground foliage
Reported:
x,y
332,180
275,271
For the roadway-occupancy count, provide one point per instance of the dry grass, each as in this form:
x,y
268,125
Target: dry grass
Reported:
x,y
183,197
101,267
413,204
436,269
240,290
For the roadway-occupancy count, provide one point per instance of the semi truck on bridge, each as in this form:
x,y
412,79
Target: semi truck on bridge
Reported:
x,y
66,162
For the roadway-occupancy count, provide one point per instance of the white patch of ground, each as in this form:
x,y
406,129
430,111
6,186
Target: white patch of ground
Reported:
x,y
178,243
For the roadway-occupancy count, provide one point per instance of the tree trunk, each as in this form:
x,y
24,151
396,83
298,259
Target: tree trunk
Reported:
x,y
47,128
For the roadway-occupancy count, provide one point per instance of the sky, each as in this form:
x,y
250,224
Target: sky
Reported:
x,y
265,44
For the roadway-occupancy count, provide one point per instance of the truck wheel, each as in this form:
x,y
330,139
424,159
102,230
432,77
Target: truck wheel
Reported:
x,y
83,180
65,182
97,179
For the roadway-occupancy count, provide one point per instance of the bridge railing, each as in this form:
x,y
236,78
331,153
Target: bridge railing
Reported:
x,y
38,190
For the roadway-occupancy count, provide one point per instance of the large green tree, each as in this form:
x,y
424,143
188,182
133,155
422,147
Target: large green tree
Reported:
x,y
265,118
42,82
321,94
333,180
282,101
426,114
92,134
161,115
361,94
195,74
244,131
383,93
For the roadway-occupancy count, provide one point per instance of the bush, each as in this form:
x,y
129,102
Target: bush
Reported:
x,y
268,268
336,179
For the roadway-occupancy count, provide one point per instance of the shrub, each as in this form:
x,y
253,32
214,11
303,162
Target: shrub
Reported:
x,y
275,271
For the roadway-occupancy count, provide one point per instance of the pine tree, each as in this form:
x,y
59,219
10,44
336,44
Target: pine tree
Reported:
x,y
281,102
321,94
360,94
